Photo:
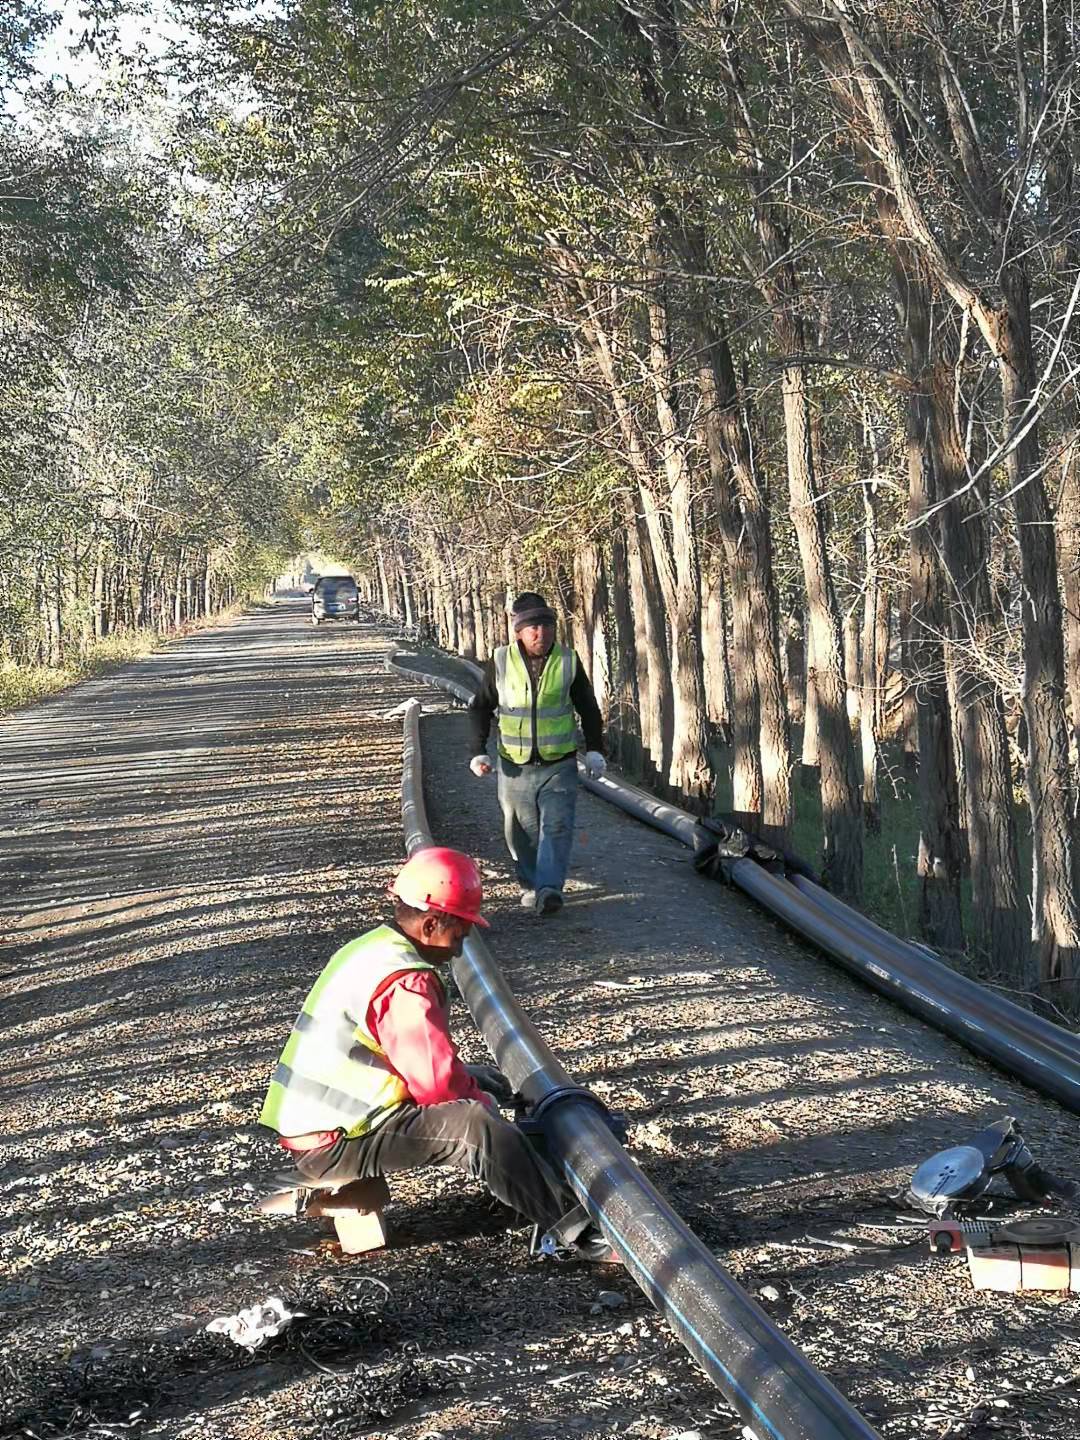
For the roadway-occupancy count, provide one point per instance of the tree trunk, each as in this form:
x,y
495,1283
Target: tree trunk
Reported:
x,y
623,720
475,599
691,770
938,864
407,601
178,592
466,620
954,689
852,629
795,666
450,609
760,735
590,582
841,818
385,602
100,595
909,712
810,754
1049,779
714,646
1067,528
653,672
875,649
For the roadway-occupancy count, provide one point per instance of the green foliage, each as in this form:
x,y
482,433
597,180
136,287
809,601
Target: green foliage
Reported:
x,y
142,479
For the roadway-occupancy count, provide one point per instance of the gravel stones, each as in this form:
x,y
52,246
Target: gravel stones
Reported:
x,y
204,863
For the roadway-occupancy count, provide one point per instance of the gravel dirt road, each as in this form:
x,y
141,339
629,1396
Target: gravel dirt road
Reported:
x,y
182,845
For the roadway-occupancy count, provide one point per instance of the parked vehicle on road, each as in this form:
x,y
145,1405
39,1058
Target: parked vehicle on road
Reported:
x,y
335,597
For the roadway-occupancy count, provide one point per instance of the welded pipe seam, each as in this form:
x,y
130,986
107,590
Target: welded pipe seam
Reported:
x,y
770,1384
1044,1055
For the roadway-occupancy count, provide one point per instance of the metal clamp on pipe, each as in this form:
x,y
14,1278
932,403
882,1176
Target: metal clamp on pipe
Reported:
x,y
533,1119
719,842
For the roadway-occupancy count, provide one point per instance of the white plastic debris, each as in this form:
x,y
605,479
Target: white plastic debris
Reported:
x,y
251,1327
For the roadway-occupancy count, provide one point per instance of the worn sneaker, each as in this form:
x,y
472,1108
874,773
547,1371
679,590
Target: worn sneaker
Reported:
x,y
528,900
549,902
292,1202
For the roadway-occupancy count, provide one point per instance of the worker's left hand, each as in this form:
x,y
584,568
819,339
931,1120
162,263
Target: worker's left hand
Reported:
x,y
493,1082
595,764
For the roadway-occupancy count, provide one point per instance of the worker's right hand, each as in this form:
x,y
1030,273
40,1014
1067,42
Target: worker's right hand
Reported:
x,y
480,765
493,1082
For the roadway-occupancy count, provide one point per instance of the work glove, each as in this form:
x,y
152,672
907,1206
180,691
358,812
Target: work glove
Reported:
x,y
595,764
480,765
493,1082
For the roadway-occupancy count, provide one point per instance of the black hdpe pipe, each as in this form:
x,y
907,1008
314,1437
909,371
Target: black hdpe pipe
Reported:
x,y
1044,1055
771,1386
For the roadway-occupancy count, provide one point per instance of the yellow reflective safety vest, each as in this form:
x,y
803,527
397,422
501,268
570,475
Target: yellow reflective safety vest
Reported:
x,y
333,1074
542,719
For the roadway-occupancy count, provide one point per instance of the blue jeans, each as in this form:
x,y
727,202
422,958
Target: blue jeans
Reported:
x,y
538,803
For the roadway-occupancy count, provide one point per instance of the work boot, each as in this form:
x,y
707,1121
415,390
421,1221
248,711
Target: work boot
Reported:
x,y
594,1248
549,902
528,900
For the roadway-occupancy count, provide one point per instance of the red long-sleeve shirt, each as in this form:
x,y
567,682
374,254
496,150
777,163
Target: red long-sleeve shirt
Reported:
x,y
409,1020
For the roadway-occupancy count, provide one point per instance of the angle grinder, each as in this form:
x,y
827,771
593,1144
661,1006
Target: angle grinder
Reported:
x,y
954,1179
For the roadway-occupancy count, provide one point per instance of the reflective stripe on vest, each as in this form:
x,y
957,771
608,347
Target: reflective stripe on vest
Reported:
x,y
542,720
333,1074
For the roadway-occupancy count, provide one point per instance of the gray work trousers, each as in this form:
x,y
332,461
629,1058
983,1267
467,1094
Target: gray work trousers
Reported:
x,y
462,1133
538,804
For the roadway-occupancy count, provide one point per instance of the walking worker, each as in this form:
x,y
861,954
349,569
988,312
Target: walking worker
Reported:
x,y
535,684
370,1081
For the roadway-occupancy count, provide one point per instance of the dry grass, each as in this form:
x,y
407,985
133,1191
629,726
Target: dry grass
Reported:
x,y
22,685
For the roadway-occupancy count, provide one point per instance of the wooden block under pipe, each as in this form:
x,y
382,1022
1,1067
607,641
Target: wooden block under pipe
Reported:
x,y
356,1210
358,1233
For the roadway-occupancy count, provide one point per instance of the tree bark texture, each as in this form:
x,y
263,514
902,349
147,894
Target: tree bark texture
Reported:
x,y
1049,778
624,724
841,817
938,863
1067,527
760,735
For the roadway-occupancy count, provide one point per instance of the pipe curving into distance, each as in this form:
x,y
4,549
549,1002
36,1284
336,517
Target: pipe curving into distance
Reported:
x,y
770,1384
1044,1055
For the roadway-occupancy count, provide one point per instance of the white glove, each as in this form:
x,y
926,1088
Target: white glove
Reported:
x,y
595,764
480,765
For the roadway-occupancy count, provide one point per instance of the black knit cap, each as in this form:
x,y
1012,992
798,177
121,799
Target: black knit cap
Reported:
x,y
530,609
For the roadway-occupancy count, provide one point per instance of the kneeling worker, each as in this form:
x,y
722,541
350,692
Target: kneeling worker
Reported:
x,y
370,1081
536,685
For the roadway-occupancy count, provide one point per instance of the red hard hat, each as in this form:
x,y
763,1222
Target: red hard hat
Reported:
x,y
444,880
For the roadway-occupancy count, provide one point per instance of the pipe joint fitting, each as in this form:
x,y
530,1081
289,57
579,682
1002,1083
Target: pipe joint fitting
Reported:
x,y
536,1118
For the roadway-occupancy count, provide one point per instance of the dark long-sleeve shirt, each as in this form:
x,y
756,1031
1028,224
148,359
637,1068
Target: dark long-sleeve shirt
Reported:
x,y
485,702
